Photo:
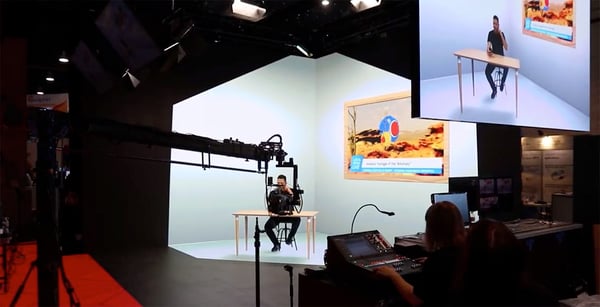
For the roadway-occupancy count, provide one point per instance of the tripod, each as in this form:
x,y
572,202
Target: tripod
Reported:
x,y
73,299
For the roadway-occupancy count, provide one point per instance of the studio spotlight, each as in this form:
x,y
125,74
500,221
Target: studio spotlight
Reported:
x,y
134,81
362,5
325,2
247,10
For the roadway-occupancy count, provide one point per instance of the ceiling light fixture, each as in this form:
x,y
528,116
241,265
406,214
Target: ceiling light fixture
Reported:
x,y
173,45
303,50
248,11
325,2
39,91
49,77
63,58
362,5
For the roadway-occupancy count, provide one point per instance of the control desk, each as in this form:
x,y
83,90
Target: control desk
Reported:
x,y
360,253
556,251
349,278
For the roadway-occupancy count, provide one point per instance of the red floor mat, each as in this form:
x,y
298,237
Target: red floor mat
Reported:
x,y
92,284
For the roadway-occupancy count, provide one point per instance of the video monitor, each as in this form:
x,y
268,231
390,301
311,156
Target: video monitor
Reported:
x,y
460,200
360,247
544,46
470,185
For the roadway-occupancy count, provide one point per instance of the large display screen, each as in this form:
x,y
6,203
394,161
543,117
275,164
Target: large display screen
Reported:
x,y
544,45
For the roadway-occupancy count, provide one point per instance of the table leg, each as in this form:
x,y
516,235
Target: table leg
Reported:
x,y
236,226
460,82
473,76
246,230
314,227
516,93
308,222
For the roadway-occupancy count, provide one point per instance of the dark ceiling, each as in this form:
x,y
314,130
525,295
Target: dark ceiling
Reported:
x,y
54,26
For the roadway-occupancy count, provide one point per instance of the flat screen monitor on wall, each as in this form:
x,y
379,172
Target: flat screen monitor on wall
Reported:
x,y
458,199
547,55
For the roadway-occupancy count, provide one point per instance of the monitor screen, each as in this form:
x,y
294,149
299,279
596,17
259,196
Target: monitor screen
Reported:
x,y
458,199
544,44
360,247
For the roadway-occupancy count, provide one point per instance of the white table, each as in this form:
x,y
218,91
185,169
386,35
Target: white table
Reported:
x,y
311,225
494,59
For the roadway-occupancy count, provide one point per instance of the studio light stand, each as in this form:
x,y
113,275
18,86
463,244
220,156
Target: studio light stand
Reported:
x,y
290,269
49,126
73,298
257,232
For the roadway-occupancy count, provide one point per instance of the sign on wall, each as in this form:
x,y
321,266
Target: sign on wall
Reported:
x,y
55,102
383,142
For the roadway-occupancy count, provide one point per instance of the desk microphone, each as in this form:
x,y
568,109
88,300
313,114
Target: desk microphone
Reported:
x,y
389,213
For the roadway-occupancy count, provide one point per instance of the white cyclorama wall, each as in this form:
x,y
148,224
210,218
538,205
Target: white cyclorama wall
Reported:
x,y
301,99
275,99
561,70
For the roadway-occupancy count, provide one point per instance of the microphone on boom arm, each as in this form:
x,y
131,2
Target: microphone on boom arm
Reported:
x,y
389,213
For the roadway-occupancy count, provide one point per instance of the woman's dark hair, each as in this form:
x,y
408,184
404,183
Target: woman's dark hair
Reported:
x,y
444,226
494,261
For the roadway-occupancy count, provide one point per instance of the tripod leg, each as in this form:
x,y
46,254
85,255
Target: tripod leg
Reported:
x,y
22,286
73,299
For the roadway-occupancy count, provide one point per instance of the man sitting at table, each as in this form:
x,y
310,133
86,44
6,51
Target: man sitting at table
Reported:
x,y
496,44
286,192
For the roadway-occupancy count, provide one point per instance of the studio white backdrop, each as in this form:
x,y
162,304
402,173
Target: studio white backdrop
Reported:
x,y
302,100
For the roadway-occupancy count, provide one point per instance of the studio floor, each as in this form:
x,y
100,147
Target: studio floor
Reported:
x,y
225,250
209,273
198,274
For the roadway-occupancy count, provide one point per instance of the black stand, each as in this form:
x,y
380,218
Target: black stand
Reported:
x,y
22,286
257,261
73,299
49,126
290,269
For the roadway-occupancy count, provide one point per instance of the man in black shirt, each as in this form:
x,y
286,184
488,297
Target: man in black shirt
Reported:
x,y
282,188
496,44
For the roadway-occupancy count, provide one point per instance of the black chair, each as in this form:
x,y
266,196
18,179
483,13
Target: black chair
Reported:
x,y
283,229
498,72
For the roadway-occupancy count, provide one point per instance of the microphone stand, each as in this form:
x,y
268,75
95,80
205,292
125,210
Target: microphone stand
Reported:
x,y
389,213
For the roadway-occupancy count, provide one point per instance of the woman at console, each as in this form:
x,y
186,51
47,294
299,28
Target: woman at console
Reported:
x,y
493,270
444,239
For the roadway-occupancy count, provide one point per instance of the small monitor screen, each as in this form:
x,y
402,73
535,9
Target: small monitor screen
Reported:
x,y
458,199
359,247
